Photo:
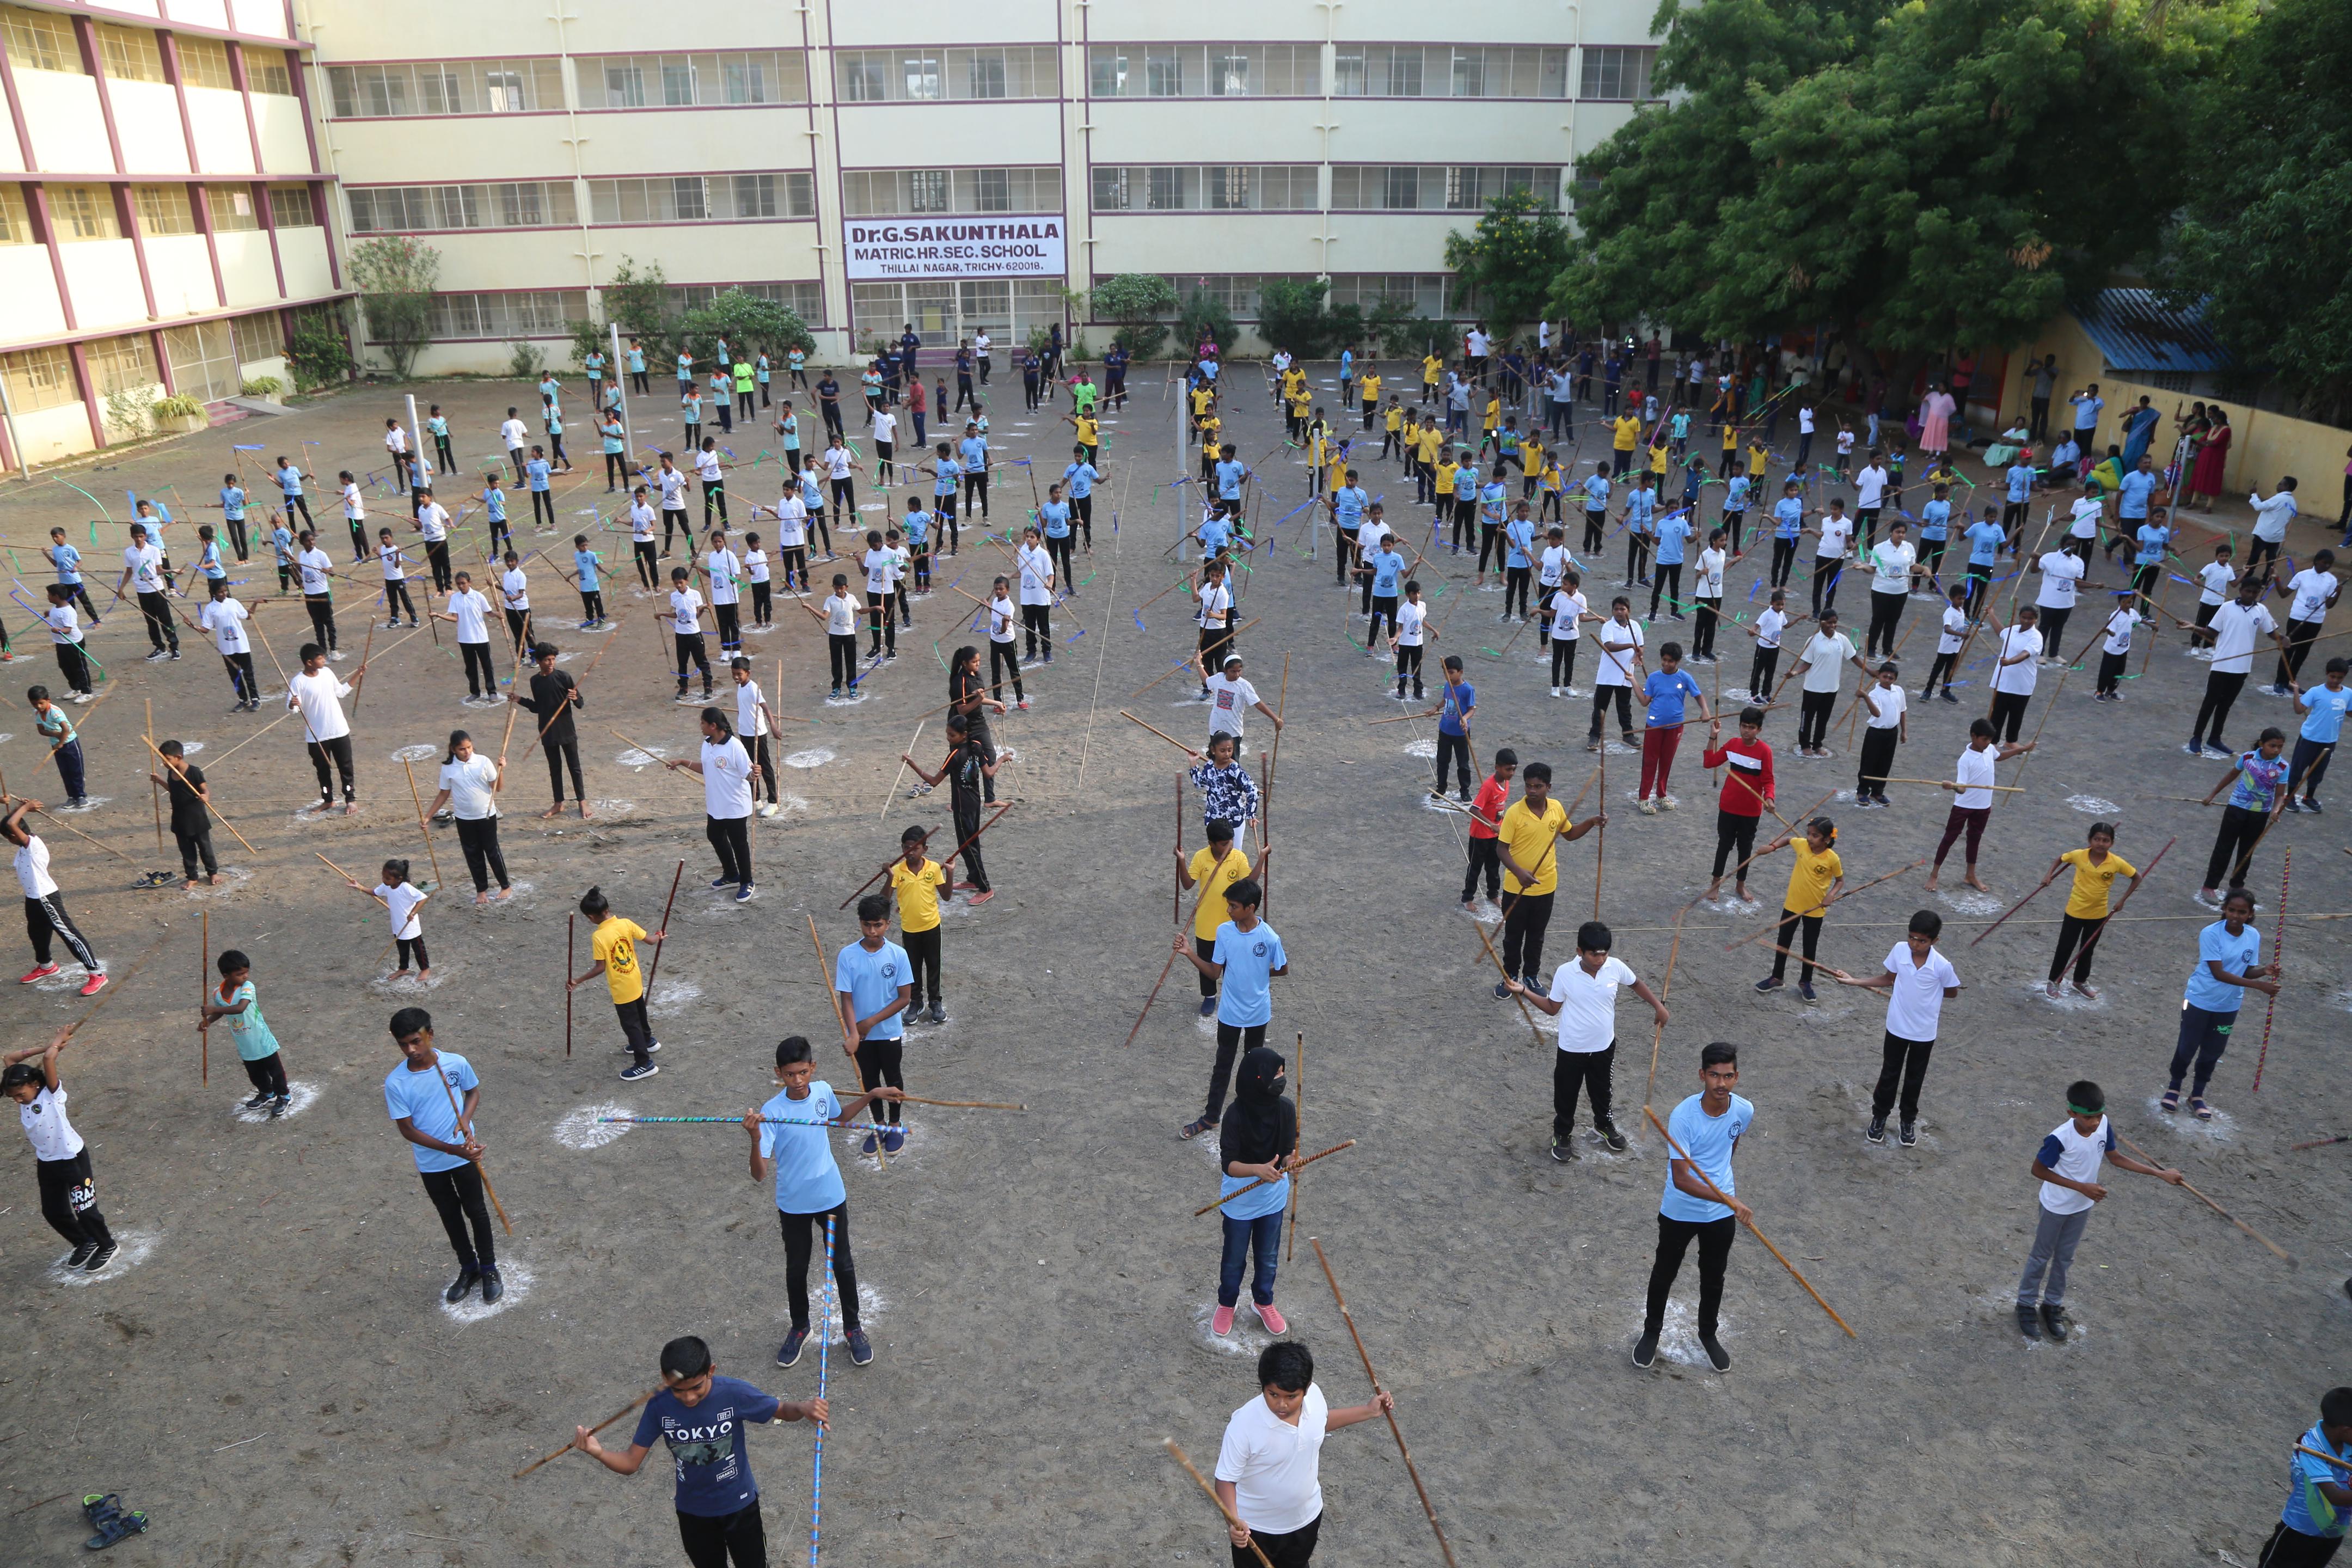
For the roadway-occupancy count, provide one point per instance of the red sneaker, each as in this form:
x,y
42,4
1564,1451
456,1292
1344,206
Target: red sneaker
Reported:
x,y
1221,1321
96,984
1270,1318
41,972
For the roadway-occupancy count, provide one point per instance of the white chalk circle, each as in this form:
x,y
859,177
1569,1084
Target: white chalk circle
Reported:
x,y
2094,805
1248,1339
584,1128
70,978
675,997
640,758
613,808
518,1279
416,753
871,1304
187,748
232,876
137,1247
1423,749
90,803
301,1095
814,757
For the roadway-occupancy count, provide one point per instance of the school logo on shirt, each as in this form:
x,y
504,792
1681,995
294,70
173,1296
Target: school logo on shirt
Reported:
x,y
1257,949
890,971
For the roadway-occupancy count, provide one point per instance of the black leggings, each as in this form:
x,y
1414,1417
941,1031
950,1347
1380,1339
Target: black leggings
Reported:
x,y
70,1200
1734,836
730,840
268,1075
1885,616
1813,717
2233,845
457,1196
1601,697
338,751
1789,920
1004,659
710,1539
2221,691
412,948
484,679
2073,929
395,594
479,839
922,968
1675,1236
803,1236
1563,662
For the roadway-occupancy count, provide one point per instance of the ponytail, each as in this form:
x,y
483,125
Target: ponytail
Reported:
x,y
455,736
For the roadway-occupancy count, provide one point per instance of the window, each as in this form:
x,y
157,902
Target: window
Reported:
x,y
1413,187
15,219
1214,187
41,41
924,74
266,72
1412,71
257,337
890,193
163,210
461,87
1204,71
232,207
525,313
1423,294
83,211
678,81
1238,293
694,198
203,62
203,361
38,378
806,301
290,208
943,311
129,53
755,195
120,365
1616,73
407,209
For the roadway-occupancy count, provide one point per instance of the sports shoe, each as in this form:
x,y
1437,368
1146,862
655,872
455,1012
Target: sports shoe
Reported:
x,y
94,984
1717,1356
1949,697
2311,803
744,893
1562,1151
2028,1323
102,1257
82,1254
1221,1321
1614,1140
789,1352
1877,1131
895,1139
1647,807
492,1286
632,1072
1208,1006
939,1013
1910,1135
766,808
2294,806
1805,989
462,1286
861,1349
868,1147
279,1106
1271,1319
261,1097
1645,1349
1667,803
39,971
2054,1319
1501,990
718,882
1769,983
158,654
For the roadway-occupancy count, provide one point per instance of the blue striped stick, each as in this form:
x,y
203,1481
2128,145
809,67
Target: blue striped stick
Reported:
x,y
824,1343
731,1120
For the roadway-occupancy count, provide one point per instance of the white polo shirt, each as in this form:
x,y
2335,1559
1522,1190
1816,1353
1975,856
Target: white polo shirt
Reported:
x,y
1587,1003
726,779
1274,1467
2235,630
1916,1005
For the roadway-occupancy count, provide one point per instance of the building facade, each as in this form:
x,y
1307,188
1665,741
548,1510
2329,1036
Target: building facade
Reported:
x,y
163,214
956,166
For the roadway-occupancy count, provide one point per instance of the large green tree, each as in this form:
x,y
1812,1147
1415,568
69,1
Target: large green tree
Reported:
x,y
2260,243
1915,178
394,277
1507,262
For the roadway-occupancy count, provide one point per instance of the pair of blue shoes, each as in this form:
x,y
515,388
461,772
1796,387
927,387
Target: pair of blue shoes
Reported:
x,y
113,1523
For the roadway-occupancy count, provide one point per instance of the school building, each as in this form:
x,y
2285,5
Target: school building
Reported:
x,y
190,175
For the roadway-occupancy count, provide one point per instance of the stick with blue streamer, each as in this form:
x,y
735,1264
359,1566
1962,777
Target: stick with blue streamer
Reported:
x,y
824,1343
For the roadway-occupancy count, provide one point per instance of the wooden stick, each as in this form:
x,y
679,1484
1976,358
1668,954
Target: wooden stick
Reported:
x,y
840,1017
892,792
959,850
570,925
1298,1129
600,1425
2047,708
656,759
2143,876
215,810
1761,853
965,1104
203,985
1232,1518
655,973
1492,958
1266,809
77,833
1176,882
2013,908
2316,1454
424,832
1262,1181
1824,907
1601,844
1161,733
2276,1251
367,647
1793,1272
1658,1035
2322,1142
1374,1378
155,791
1946,783
1183,926
2278,961
458,1115
1231,637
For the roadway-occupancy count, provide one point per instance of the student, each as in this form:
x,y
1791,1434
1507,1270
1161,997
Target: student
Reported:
x,y
1565,614
702,1418
1706,1126
1746,795
1770,623
1619,654
586,578
1823,665
686,626
395,566
1917,981
50,722
236,1000
1971,787
354,515
401,900
144,573
1380,571
1668,691
45,911
1707,589
2257,787
970,763
1531,833
1413,633
1788,527
613,945
1889,726
469,612
751,725
61,1156
1219,865
2324,708
840,617
423,1096
1815,881
2214,579
2314,591
2087,904
1583,997
67,562
874,984
1835,532
725,770
2319,1494
672,484
2228,963
1230,699
1455,707
318,692
192,823
2067,1165
470,787
1894,564
1670,532
1951,638
514,593
543,497
1267,1473
1257,1143
1245,957
917,883
2234,626
1035,565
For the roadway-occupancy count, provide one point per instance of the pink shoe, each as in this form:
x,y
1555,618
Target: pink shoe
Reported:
x,y
41,972
96,984
1270,1318
1221,1321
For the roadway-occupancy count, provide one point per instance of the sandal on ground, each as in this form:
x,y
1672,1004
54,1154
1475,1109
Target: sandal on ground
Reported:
x,y
1194,1128
2171,1101
2203,1112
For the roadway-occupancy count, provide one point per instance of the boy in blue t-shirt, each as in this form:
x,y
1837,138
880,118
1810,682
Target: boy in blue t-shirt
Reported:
x,y
2319,1490
1788,527
535,474
1244,962
591,585
1985,538
1668,688
1667,578
432,1097
1383,571
1700,1201
2322,708
873,985
701,1417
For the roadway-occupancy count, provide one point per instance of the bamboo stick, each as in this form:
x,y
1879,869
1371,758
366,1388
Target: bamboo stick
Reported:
x,y
1296,1166
600,1425
1495,959
1374,1379
1232,1518
215,810
424,832
1658,1035
2282,1254
840,1017
1794,1272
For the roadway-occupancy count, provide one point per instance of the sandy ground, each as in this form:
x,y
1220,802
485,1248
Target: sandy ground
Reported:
x,y
266,1369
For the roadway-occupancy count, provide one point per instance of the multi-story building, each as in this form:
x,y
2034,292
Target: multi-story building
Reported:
x,y
162,213
952,165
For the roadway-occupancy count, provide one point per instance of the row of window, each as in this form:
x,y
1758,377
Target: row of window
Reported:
x,y
549,312
88,212
43,40
206,359
1208,187
927,73
893,193
1436,296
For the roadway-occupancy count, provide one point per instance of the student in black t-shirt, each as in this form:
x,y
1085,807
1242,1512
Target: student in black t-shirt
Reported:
x,y
969,765
192,823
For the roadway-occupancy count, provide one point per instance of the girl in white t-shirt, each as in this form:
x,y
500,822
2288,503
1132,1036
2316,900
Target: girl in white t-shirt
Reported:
x,y
841,616
61,1159
470,787
1564,625
1707,587
755,571
400,900
642,548
1413,630
1972,798
2214,579
1950,638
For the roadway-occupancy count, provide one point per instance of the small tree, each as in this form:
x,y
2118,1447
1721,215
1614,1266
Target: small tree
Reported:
x,y
394,277
1139,302
639,303
1510,259
1291,315
748,322
1205,316
319,352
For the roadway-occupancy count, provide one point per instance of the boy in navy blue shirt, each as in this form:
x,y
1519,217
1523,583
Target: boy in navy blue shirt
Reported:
x,y
701,1417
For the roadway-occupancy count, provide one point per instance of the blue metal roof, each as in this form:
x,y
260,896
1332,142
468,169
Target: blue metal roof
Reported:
x,y
2136,332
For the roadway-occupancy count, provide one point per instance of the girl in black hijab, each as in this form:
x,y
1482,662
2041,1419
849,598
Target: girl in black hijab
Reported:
x,y
1258,1140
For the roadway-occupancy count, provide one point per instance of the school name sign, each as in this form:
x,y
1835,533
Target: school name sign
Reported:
x,y
881,249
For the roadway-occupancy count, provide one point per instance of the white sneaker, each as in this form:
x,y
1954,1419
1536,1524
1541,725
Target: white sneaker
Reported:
x,y
1555,691
1648,807
1667,803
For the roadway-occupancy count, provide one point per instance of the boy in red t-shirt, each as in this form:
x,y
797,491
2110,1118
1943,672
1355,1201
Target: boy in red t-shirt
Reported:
x,y
1486,812
1746,791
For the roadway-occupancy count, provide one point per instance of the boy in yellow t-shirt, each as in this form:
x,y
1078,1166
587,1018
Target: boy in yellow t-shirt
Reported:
x,y
917,881
1208,425
1428,440
1658,462
1394,437
1730,451
1760,457
1531,832
614,946
1213,871
1367,386
1813,881
2087,904
1430,365
1531,462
